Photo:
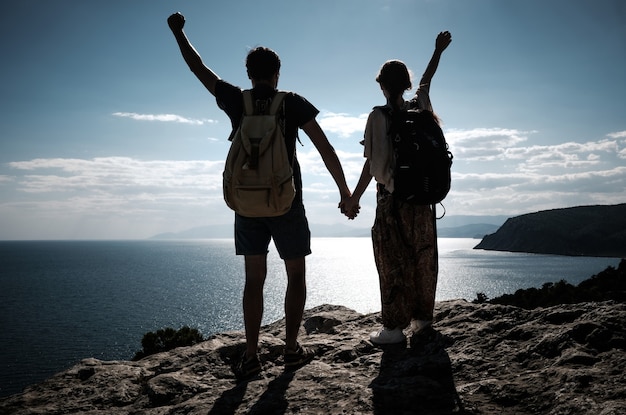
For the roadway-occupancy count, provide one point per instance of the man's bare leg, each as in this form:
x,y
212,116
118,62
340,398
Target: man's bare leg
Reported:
x,y
256,271
295,299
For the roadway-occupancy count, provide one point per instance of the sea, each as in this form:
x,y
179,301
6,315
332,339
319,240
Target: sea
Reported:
x,y
63,301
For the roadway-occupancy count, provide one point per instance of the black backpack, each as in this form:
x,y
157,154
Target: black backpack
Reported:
x,y
422,159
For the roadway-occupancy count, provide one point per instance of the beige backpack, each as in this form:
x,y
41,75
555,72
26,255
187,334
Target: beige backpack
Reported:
x,y
258,178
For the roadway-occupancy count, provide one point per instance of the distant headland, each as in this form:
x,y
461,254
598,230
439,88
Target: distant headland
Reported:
x,y
598,231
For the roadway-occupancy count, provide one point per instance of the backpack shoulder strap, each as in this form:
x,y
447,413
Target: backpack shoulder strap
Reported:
x,y
391,116
248,105
277,101
384,108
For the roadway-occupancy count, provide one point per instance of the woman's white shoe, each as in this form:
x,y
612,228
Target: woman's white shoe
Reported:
x,y
387,336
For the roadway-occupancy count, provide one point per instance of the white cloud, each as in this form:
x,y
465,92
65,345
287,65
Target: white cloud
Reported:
x,y
118,195
505,146
495,172
163,118
484,144
501,171
106,176
618,134
343,125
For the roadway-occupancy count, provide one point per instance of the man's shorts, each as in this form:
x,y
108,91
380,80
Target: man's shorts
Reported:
x,y
290,232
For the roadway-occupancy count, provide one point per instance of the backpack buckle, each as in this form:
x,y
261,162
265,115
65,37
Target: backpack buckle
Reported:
x,y
262,106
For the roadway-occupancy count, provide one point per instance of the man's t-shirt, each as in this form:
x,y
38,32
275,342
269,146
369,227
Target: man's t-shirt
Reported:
x,y
298,111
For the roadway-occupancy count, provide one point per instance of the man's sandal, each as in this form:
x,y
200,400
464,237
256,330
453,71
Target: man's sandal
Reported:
x,y
247,368
299,357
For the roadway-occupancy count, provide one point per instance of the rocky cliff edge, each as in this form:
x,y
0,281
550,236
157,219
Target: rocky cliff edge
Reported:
x,y
479,359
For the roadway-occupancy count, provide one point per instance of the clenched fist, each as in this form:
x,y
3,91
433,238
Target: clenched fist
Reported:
x,y
176,22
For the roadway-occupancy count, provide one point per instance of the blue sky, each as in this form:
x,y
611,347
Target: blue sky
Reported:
x,y
105,133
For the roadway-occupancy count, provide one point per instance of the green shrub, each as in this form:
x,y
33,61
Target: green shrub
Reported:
x,y
609,284
481,298
167,339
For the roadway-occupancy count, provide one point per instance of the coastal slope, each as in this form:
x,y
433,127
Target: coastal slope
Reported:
x,y
578,231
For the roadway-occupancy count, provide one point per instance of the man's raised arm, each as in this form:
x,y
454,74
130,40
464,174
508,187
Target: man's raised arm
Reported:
x,y
208,78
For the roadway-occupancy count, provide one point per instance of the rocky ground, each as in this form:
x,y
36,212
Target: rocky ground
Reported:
x,y
479,359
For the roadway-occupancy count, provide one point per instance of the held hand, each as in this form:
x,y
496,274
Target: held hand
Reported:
x,y
342,203
351,215
443,40
176,22
351,207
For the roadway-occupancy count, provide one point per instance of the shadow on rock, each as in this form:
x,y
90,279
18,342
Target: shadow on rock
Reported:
x,y
273,400
229,400
417,379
